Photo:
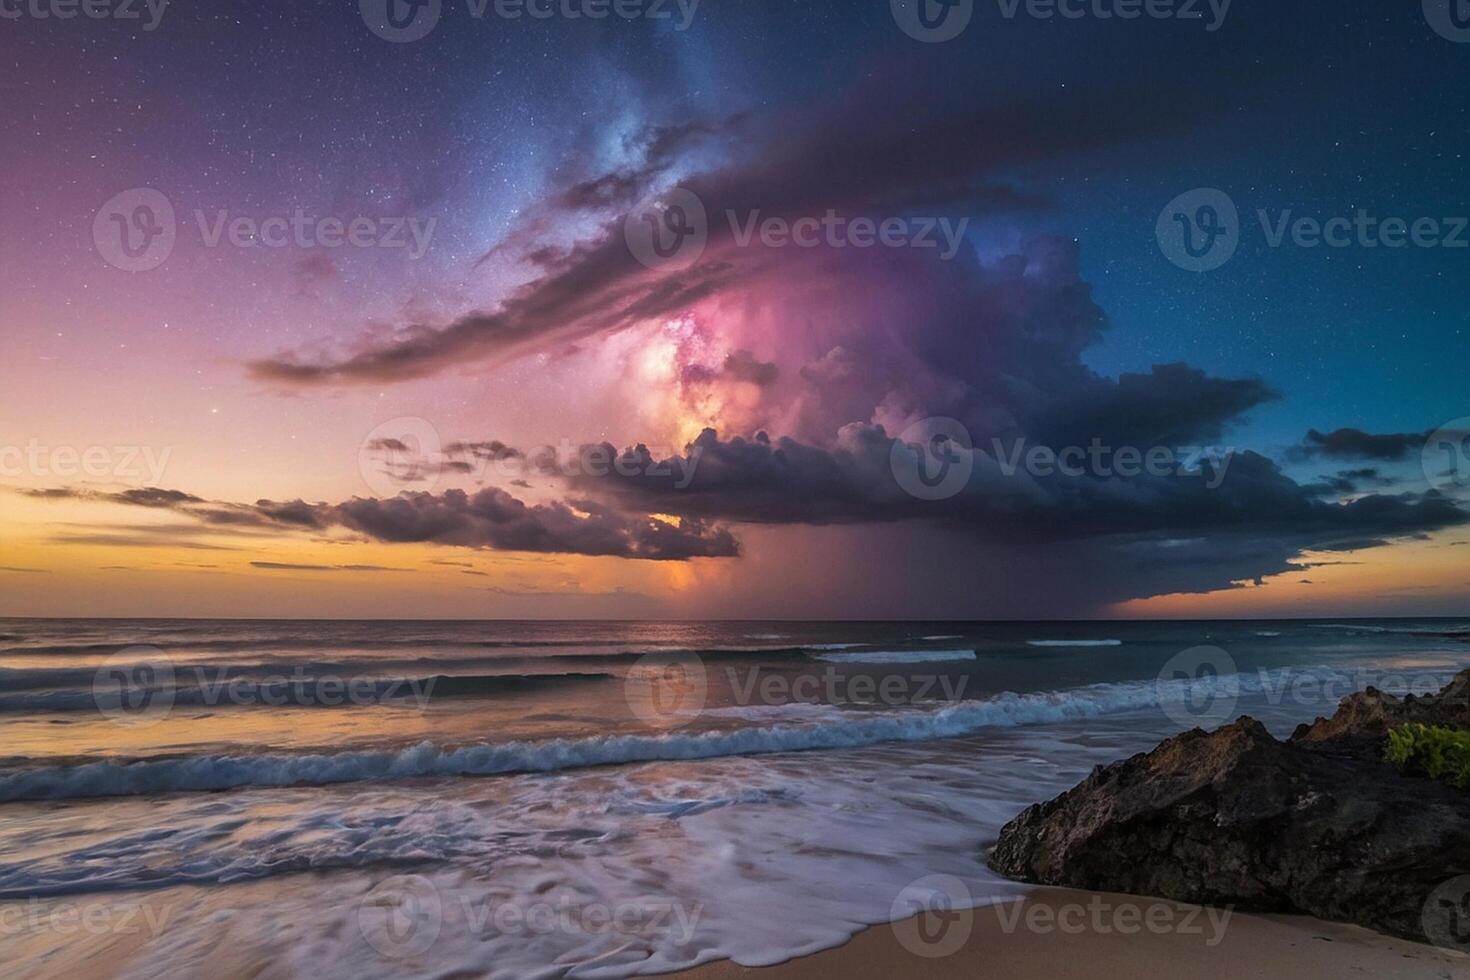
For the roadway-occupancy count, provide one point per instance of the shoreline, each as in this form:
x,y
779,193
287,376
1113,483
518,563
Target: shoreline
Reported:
x,y
1061,933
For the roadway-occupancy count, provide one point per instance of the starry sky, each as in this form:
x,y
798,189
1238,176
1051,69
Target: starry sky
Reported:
x,y
294,429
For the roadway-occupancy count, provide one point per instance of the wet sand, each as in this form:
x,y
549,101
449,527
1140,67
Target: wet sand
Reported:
x,y
1060,934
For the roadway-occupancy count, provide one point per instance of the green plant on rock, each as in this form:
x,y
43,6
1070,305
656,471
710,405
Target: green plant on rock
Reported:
x,y
1436,752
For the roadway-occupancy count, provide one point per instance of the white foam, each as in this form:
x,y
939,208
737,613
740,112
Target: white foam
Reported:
x,y
1074,643
898,656
944,636
758,860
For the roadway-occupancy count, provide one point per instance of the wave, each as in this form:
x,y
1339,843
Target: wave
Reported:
x,y
159,643
205,645
1419,631
1074,643
896,656
306,693
209,672
944,636
427,759
1268,632
714,653
599,653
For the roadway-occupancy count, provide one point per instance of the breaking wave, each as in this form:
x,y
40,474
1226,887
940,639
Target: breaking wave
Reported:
x,y
426,759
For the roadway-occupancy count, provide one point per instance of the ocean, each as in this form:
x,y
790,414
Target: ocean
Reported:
x,y
599,799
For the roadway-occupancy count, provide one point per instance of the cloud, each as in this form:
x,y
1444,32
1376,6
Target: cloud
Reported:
x,y
224,518
280,566
997,346
783,481
889,147
1346,482
810,362
1357,444
739,366
492,449
490,518
140,497
143,539
1171,405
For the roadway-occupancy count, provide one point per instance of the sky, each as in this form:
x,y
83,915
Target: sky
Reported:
x,y
733,310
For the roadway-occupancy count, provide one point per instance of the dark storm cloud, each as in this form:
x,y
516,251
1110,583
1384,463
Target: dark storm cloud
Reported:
x,y
998,347
1357,444
1171,405
785,482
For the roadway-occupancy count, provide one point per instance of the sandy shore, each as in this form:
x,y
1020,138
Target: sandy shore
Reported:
x,y
1059,934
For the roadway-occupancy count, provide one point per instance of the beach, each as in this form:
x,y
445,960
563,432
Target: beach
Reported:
x,y
504,799
1114,943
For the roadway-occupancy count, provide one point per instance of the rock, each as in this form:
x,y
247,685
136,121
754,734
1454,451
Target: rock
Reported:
x,y
1235,817
1362,721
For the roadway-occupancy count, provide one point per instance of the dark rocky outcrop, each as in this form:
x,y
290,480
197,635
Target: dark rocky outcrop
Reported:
x,y
1362,721
1317,824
